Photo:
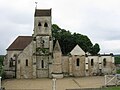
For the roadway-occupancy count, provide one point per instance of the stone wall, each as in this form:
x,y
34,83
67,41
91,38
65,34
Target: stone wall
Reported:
x,y
101,67
88,66
109,68
42,66
23,70
78,70
57,64
42,30
10,71
93,65
65,65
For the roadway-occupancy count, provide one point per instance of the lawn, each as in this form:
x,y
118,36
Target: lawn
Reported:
x,y
112,88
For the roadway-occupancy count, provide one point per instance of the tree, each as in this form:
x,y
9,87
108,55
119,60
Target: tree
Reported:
x,y
83,41
64,37
68,41
95,49
1,59
2,73
117,59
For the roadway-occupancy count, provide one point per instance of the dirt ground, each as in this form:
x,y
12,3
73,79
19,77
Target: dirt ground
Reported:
x,y
61,84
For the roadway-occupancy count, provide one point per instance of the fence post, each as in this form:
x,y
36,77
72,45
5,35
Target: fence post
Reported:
x,y
54,84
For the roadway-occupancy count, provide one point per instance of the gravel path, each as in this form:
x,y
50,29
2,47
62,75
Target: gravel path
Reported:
x,y
61,84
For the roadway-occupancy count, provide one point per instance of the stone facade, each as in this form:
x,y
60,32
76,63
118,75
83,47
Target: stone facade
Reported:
x,y
24,63
9,63
34,56
100,65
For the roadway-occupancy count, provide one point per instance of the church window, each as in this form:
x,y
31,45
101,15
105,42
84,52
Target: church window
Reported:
x,y
78,62
14,63
11,62
18,61
34,38
14,57
100,70
26,62
42,64
45,25
42,42
39,24
50,38
104,62
92,62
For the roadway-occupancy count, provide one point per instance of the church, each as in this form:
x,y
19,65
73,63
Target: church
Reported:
x,y
35,57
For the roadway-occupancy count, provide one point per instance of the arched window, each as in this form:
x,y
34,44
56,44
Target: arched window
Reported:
x,y
42,64
18,61
26,62
45,25
92,62
39,24
104,62
77,62
11,62
43,43
14,57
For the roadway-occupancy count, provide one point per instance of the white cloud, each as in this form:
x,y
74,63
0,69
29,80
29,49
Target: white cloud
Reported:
x,y
110,46
98,19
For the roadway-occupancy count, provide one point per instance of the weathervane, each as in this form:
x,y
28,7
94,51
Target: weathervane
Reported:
x,y
36,5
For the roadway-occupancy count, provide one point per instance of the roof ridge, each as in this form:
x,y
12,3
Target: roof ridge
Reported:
x,y
24,36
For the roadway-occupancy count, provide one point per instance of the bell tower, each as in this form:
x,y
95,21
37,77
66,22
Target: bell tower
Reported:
x,y
42,43
42,22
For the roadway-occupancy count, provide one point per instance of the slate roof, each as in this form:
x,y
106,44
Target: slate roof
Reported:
x,y
42,12
20,43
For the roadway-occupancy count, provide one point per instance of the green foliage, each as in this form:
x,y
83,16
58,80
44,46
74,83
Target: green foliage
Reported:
x,y
68,40
118,71
117,59
94,49
42,50
112,88
1,59
2,74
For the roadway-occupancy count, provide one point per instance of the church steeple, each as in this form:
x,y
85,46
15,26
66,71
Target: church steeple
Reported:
x,y
43,44
57,47
57,61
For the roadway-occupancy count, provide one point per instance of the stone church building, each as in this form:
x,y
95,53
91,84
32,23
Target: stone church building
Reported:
x,y
34,56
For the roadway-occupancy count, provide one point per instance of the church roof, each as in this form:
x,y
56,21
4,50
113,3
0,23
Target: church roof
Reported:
x,y
77,51
57,47
20,43
43,12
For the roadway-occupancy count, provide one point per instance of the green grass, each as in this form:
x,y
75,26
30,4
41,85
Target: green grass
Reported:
x,y
112,88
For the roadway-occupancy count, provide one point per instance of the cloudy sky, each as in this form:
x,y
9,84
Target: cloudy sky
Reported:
x,y
98,19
